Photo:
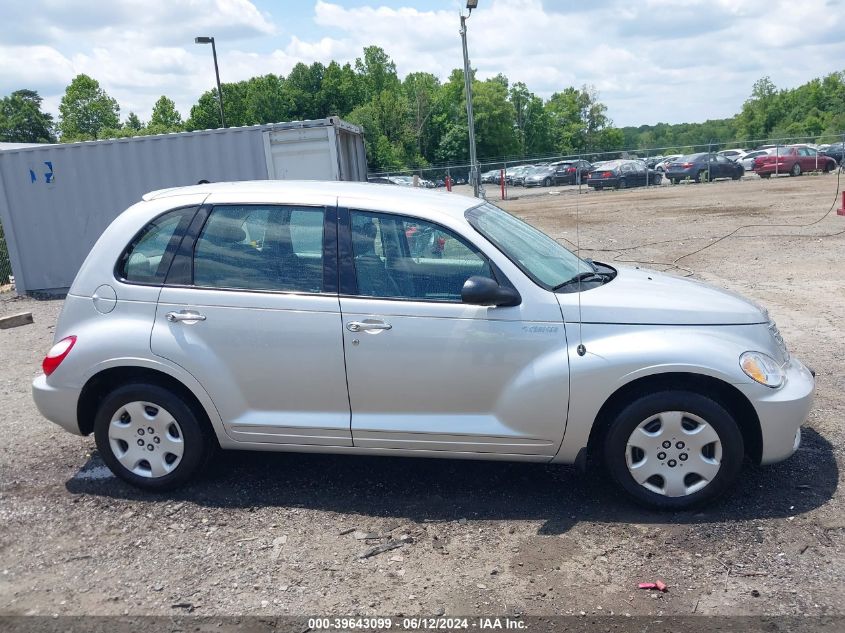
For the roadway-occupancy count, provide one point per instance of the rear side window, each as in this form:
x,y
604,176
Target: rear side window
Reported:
x,y
148,256
277,248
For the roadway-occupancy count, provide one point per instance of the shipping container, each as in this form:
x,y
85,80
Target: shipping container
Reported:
x,y
55,200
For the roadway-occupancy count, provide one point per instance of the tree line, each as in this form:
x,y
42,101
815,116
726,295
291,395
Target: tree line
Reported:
x,y
421,120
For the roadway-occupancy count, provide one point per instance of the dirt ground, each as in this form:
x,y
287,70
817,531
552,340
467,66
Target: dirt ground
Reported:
x,y
282,533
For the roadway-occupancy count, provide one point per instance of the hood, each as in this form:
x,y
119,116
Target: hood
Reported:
x,y
640,296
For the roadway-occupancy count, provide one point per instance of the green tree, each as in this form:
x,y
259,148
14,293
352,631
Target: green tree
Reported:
x,y
86,110
341,90
133,122
495,133
761,112
421,90
378,72
22,121
205,114
165,116
267,101
302,87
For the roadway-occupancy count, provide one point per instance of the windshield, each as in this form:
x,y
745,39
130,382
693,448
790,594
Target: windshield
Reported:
x,y
540,257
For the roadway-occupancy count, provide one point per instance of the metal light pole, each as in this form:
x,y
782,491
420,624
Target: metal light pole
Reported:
x,y
473,166
210,40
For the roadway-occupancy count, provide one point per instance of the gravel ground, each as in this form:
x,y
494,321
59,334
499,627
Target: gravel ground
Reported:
x,y
282,533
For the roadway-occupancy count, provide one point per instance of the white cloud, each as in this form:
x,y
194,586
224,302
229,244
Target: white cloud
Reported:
x,y
670,60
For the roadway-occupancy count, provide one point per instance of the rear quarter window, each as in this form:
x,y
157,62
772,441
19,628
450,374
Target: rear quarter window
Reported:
x,y
147,257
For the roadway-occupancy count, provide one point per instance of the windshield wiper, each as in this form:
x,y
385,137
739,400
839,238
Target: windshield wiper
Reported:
x,y
581,278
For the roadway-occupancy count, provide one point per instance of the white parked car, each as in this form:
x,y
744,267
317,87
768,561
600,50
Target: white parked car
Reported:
x,y
357,318
747,161
661,166
733,154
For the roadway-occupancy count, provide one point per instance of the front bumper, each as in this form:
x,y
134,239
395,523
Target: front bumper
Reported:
x,y
57,405
782,411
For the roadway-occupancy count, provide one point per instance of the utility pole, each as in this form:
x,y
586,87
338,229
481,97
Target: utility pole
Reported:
x,y
210,40
473,165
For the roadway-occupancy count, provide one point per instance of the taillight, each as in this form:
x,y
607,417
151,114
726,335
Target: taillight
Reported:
x,y
57,354
607,174
686,165
571,170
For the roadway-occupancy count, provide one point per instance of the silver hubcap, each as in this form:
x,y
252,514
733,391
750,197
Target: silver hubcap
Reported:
x,y
674,453
146,439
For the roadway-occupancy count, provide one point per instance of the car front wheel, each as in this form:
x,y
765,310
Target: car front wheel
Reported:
x,y
674,449
150,437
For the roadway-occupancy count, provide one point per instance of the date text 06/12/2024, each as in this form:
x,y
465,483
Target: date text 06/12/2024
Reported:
x,y
415,623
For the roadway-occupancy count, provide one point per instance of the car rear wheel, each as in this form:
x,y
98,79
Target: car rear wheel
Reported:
x,y
738,174
796,170
150,437
658,179
622,184
547,182
674,449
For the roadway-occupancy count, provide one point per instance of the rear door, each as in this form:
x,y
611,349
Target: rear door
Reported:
x,y
250,309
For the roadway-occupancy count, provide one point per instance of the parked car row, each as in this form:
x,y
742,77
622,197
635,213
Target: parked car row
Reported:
x,y
564,172
633,172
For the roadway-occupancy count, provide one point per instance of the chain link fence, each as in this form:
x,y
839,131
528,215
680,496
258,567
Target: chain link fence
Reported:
x,y
506,177
5,264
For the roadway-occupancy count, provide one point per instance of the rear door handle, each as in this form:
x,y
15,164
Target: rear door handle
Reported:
x,y
184,316
367,326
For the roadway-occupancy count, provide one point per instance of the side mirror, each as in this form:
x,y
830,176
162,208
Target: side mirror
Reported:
x,y
483,291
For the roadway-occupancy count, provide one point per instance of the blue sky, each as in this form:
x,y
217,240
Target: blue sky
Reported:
x,y
649,60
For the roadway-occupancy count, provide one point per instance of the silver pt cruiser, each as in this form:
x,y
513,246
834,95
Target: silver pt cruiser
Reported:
x,y
354,318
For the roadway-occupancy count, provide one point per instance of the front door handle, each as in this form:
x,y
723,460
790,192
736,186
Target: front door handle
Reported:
x,y
184,315
367,326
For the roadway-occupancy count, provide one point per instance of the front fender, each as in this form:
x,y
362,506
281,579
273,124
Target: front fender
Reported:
x,y
617,355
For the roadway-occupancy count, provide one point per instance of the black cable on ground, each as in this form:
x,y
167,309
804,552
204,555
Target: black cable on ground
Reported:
x,y
674,263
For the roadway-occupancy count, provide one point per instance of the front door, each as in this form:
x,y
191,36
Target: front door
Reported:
x,y
429,373
255,318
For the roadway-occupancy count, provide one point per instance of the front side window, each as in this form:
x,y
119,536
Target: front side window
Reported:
x,y
540,257
277,248
400,257
147,258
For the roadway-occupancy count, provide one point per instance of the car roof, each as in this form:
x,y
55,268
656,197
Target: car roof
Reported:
x,y
356,194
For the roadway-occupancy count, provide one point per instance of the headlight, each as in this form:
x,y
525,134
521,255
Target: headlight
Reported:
x,y
762,368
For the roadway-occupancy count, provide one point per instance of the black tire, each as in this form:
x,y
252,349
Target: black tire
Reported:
x,y
738,174
629,418
198,445
547,182
796,170
658,178
622,184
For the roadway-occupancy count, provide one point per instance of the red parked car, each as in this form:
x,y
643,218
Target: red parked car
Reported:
x,y
793,160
